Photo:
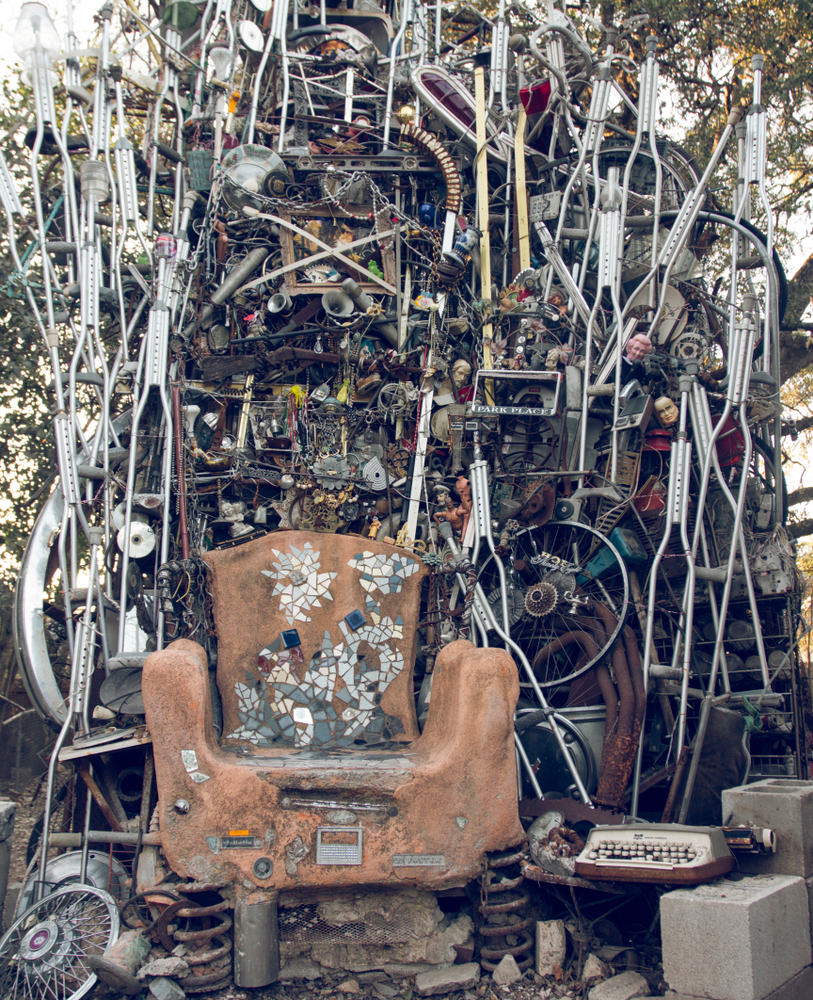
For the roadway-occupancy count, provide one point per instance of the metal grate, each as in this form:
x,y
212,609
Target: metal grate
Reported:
x,y
305,924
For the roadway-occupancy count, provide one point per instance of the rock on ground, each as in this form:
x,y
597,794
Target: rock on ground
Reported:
x,y
166,989
623,987
594,968
301,968
349,986
507,972
438,981
164,967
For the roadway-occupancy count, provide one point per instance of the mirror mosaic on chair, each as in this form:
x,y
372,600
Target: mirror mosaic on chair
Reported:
x,y
333,699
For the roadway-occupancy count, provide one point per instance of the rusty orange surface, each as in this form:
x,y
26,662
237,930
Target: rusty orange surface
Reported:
x,y
435,805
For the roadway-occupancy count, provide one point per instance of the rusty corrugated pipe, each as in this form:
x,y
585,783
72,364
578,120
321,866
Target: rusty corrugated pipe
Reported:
x,y
561,642
610,696
637,676
626,709
584,689
605,682
620,747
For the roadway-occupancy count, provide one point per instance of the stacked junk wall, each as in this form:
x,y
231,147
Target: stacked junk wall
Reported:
x,y
417,547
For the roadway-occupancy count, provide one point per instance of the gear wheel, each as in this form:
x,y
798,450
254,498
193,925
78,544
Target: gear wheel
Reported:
x,y
689,346
541,599
516,604
331,472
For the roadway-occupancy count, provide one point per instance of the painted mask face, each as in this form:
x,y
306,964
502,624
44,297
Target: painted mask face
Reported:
x,y
666,411
461,370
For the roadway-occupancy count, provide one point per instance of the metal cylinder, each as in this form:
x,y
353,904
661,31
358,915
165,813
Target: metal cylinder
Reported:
x,y
256,940
740,635
247,266
357,294
363,301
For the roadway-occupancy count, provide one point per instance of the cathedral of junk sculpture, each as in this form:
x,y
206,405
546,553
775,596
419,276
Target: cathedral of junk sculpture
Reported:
x,y
401,319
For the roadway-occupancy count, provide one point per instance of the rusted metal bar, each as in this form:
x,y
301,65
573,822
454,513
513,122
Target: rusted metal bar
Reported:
x,y
669,808
177,422
96,792
537,874
104,837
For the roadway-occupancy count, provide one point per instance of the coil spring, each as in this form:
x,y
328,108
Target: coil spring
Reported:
x,y
208,947
497,900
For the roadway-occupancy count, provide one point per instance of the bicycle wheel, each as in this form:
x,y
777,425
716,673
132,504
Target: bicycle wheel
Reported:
x,y
44,954
567,594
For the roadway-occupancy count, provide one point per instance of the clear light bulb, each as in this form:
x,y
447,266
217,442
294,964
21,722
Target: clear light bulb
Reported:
x,y
35,23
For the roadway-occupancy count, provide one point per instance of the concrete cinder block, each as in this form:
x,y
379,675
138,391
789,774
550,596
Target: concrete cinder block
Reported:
x,y
784,805
551,946
809,886
735,940
800,987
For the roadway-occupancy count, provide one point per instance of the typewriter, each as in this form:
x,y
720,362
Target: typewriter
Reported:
x,y
655,852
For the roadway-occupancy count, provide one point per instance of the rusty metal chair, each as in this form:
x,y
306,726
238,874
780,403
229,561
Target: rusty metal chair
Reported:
x,y
322,778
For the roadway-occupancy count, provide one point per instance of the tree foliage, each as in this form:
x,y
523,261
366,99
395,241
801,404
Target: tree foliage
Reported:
x,y
705,51
27,457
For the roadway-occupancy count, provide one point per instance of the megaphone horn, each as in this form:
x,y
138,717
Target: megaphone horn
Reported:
x,y
281,302
337,304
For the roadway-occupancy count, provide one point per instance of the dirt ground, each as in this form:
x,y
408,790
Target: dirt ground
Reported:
x,y
343,986
25,817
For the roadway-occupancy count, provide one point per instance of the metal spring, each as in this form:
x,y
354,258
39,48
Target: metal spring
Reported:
x,y
208,947
510,898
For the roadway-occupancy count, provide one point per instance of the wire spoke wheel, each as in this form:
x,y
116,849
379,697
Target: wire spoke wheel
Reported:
x,y
44,954
567,594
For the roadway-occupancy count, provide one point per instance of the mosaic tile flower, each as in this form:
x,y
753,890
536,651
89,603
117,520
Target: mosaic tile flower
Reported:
x,y
299,584
258,725
338,698
364,683
383,572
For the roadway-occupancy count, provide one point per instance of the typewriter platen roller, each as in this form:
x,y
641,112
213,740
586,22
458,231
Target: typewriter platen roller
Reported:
x,y
655,852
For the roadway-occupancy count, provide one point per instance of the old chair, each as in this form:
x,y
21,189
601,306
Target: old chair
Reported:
x,y
322,778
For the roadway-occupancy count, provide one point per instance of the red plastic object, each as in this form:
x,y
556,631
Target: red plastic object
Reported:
x,y
535,98
730,443
658,440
